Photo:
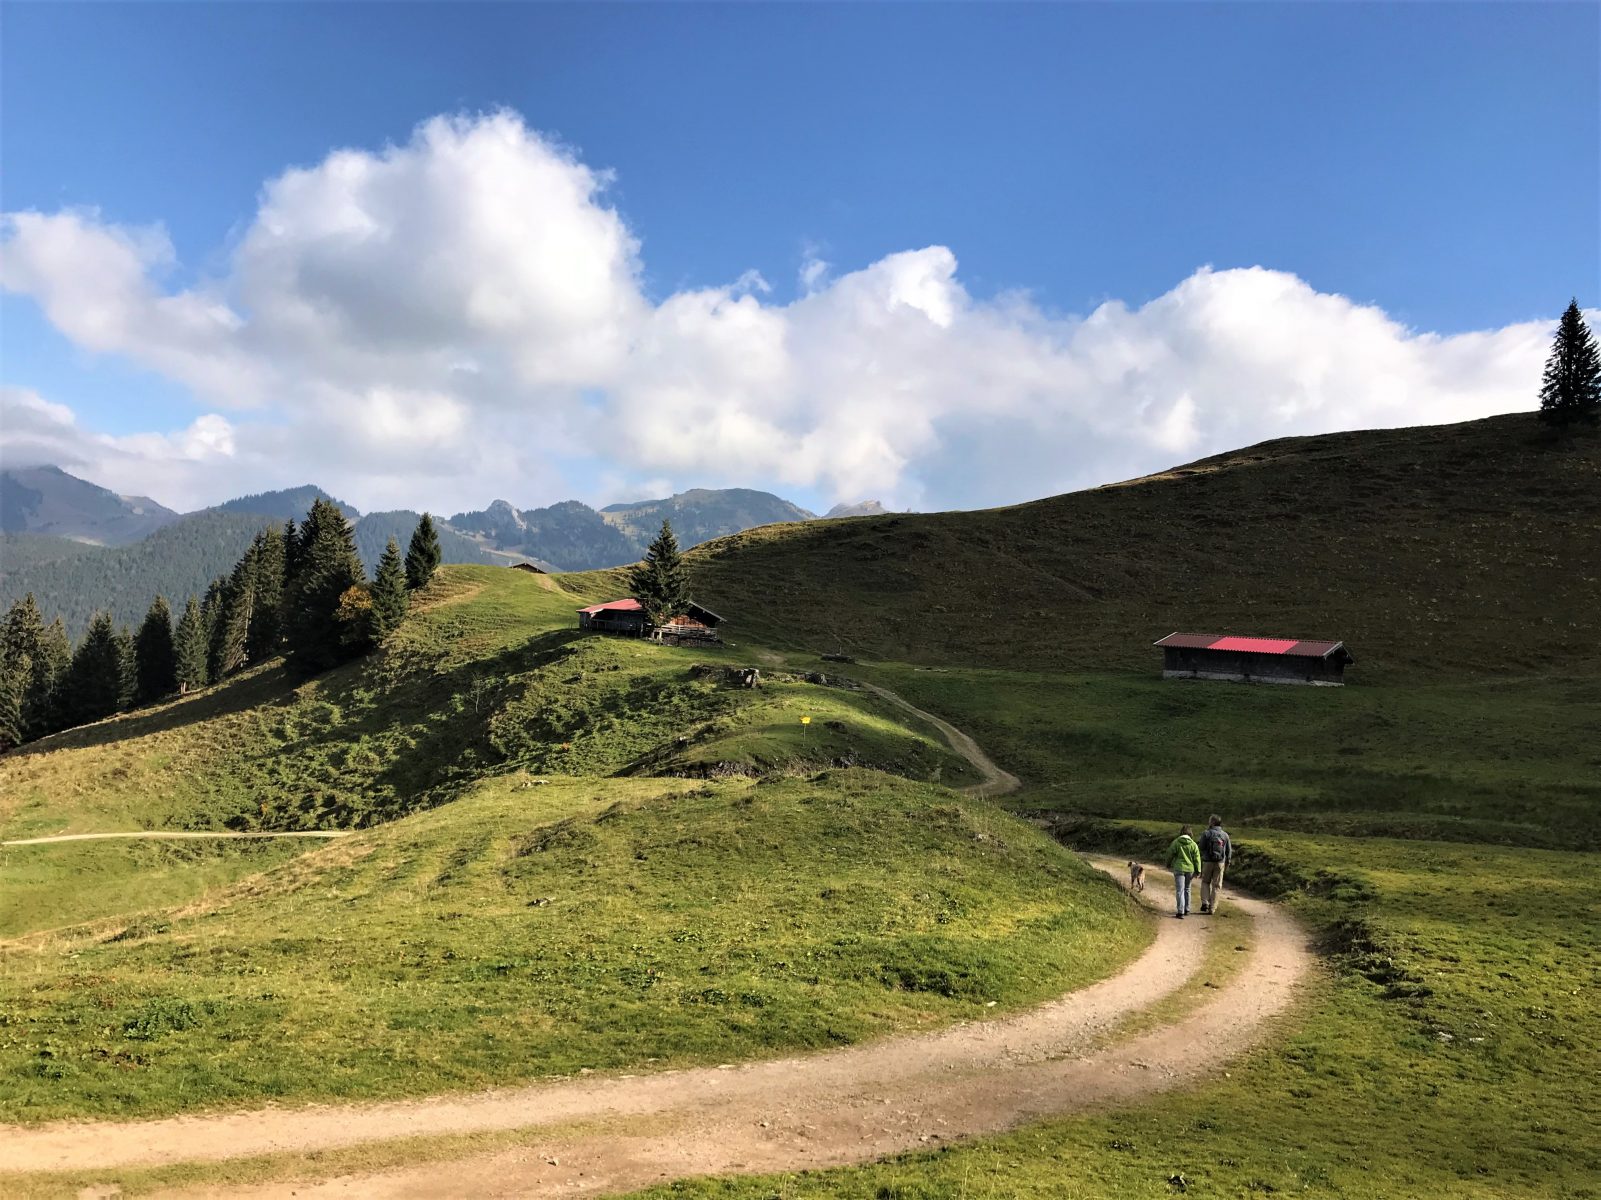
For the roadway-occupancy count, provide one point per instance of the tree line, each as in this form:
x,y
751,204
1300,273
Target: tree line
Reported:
x,y
298,591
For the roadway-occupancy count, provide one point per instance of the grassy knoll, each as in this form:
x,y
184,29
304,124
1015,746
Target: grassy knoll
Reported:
x,y
1494,759
1453,1051
539,930
489,675
51,887
1454,550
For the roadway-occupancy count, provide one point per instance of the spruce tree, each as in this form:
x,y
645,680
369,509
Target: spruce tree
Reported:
x,y
389,596
1570,390
214,617
271,557
127,668
13,700
94,682
47,682
19,647
661,583
328,568
155,658
423,555
190,646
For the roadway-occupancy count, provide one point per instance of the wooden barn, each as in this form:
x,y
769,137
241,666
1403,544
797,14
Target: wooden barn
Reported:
x,y
1254,659
628,618
529,567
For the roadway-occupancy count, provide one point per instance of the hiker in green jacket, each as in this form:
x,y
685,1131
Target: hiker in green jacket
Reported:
x,y
1184,860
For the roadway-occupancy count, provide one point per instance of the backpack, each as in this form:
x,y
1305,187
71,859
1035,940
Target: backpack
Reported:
x,y
1214,845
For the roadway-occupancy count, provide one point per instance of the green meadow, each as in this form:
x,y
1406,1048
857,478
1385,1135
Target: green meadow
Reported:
x,y
1451,1050
578,853
531,930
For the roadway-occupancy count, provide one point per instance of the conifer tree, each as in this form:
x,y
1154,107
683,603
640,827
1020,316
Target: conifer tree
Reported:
x,y
47,681
423,555
214,617
155,658
127,668
19,646
1570,390
26,675
271,567
328,568
190,646
660,583
390,598
13,699
94,681
291,550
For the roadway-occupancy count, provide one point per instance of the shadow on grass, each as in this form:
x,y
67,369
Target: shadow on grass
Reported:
x,y
270,686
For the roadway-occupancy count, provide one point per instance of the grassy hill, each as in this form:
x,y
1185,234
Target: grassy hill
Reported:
x,y
1451,550
489,675
526,931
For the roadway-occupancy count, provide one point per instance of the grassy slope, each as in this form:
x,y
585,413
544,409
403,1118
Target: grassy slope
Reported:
x,y
1452,1050
1453,550
488,676
1496,760
1462,1059
535,930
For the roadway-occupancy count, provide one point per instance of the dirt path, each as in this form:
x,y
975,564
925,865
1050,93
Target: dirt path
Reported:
x,y
174,835
994,781
820,1110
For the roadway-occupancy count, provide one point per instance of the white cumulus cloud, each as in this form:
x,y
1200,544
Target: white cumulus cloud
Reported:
x,y
464,316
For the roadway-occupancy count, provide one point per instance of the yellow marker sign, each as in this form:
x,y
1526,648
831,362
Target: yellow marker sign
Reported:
x,y
806,720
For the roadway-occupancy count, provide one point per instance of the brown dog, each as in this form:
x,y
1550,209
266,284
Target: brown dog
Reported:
x,y
1136,877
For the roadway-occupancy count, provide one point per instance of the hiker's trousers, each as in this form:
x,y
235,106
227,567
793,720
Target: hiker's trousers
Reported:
x,y
1211,884
1181,891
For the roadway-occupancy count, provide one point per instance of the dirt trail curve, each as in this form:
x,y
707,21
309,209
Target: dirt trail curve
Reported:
x,y
995,781
820,1110
173,835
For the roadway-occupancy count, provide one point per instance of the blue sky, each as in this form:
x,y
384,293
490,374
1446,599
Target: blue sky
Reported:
x,y
1438,164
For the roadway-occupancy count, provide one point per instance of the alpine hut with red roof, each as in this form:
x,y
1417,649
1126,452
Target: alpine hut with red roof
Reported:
x,y
628,617
1254,659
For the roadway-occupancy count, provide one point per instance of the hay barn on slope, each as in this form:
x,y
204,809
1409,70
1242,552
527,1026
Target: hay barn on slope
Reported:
x,y
1254,659
628,618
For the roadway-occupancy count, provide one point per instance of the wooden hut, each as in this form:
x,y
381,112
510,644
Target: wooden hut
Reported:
x,y
1254,659
529,567
628,618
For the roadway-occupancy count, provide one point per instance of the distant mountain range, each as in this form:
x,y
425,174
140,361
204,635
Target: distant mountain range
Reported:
x,y
574,537
47,500
79,547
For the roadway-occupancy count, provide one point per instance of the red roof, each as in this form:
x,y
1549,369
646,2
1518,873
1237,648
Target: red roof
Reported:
x,y
612,606
1295,648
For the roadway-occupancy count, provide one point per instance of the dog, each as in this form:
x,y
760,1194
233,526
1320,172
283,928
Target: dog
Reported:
x,y
1136,877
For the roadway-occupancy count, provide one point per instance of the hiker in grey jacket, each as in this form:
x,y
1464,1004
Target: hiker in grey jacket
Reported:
x,y
1216,851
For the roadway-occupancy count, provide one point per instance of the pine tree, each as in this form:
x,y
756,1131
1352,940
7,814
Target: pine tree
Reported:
x,y
190,647
266,615
214,619
155,658
328,568
45,705
93,689
19,646
13,700
1570,389
127,668
390,598
423,555
660,583
291,551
